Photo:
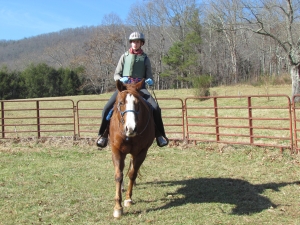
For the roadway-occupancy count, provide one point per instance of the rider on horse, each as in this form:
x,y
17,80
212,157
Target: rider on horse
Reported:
x,y
133,66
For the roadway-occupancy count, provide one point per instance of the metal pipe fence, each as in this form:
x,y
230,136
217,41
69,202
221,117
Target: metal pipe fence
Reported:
x,y
260,120
247,120
37,118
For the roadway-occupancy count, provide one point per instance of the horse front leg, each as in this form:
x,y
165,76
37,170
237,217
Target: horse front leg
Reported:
x,y
118,161
136,162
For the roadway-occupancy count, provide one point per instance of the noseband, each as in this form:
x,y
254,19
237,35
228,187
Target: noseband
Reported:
x,y
125,111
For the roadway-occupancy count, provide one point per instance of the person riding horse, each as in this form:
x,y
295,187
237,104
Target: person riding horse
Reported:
x,y
133,66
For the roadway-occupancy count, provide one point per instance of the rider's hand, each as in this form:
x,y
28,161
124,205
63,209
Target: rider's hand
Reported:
x,y
124,80
149,81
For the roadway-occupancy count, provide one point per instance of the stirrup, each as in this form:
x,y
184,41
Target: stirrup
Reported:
x,y
101,142
161,141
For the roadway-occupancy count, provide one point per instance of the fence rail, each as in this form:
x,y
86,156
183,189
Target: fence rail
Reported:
x,y
248,120
38,118
261,120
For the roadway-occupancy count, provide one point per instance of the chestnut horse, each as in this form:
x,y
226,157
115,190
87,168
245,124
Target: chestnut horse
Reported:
x,y
131,131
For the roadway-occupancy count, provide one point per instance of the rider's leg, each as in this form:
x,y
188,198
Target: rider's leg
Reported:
x,y
103,131
160,134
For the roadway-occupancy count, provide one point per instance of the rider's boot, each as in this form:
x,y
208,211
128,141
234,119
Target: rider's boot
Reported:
x,y
102,140
160,139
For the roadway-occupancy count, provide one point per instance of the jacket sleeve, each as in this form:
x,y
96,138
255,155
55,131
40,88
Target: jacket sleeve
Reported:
x,y
148,69
119,69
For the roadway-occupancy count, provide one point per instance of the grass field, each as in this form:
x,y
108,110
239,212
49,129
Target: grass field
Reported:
x,y
58,181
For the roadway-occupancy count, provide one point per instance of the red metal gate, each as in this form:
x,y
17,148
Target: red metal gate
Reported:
x,y
252,120
89,117
37,118
261,120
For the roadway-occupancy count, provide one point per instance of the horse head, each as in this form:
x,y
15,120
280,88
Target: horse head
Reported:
x,y
128,106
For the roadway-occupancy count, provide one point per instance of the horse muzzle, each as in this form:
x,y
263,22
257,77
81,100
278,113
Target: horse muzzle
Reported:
x,y
130,132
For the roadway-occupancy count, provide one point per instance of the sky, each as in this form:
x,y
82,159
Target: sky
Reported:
x,y
21,19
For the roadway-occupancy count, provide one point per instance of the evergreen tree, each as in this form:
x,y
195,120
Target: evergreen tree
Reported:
x,y
35,82
70,84
4,83
183,59
10,84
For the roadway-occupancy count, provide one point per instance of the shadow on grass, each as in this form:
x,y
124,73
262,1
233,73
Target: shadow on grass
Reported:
x,y
246,197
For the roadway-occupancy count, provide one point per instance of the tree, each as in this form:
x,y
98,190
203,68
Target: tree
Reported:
x,y
183,59
278,20
40,81
223,16
70,82
164,22
102,52
44,81
10,84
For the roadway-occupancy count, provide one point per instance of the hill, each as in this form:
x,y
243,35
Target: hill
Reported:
x,y
16,55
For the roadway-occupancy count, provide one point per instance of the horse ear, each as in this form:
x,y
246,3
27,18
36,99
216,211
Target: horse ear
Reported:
x,y
140,84
120,85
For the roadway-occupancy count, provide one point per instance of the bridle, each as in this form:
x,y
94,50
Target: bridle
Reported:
x,y
122,113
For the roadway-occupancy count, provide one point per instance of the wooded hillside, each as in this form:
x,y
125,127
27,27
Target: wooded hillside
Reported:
x,y
229,41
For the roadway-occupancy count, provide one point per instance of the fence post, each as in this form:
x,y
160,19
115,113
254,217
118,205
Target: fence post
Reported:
x,y
250,120
38,118
217,119
2,119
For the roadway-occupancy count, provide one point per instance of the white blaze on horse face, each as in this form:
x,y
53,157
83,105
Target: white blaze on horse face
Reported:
x,y
130,123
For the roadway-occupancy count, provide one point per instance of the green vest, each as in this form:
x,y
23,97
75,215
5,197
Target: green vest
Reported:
x,y
134,65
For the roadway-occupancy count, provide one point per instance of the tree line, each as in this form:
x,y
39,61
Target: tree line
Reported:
x,y
226,41
38,81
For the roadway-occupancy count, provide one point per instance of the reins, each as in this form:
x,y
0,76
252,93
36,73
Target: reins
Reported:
x,y
152,89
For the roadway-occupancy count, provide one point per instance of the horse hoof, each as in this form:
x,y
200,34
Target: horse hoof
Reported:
x,y
118,213
128,202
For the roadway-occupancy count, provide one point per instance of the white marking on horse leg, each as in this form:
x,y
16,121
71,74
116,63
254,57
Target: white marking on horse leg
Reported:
x,y
130,116
128,202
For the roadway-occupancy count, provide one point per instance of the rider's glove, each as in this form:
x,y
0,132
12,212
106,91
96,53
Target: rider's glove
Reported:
x,y
149,81
124,80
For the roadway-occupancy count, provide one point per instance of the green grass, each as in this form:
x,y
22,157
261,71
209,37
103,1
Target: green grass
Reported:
x,y
61,182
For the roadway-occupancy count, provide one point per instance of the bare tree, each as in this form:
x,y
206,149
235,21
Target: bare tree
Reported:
x,y
163,22
223,15
279,20
102,52
147,19
63,53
